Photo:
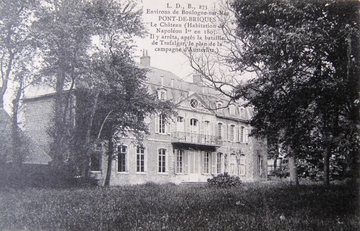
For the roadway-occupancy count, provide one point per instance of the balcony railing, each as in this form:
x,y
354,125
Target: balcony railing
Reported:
x,y
195,138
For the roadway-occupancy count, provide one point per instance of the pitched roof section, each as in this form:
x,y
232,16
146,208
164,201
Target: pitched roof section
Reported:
x,y
179,91
35,154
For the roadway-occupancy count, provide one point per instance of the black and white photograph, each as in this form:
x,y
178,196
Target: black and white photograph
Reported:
x,y
179,115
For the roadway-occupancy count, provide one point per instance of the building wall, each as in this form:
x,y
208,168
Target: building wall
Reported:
x,y
37,120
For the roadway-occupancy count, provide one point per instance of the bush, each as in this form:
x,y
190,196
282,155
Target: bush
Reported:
x,y
281,173
224,180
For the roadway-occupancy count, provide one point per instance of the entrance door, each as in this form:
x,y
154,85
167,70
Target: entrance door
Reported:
x,y
193,166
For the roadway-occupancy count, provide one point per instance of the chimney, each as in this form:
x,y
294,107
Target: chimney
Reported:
x,y
145,59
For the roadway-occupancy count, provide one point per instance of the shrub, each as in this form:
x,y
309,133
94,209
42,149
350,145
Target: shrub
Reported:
x,y
224,180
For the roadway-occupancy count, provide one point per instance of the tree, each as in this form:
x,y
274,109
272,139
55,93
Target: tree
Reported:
x,y
16,53
67,30
304,55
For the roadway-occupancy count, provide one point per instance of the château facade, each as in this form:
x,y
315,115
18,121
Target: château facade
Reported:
x,y
205,138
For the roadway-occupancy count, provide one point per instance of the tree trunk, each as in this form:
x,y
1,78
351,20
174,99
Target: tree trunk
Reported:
x,y
293,172
87,136
18,155
327,165
110,153
57,149
275,163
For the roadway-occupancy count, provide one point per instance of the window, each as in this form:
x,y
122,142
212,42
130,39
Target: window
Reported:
x,y
95,161
193,122
232,133
162,126
122,150
140,159
179,161
260,162
193,103
219,131
180,119
241,111
218,105
218,162
242,165
241,134
232,109
162,94
207,158
162,160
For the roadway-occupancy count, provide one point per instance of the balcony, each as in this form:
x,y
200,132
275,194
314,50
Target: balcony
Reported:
x,y
195,139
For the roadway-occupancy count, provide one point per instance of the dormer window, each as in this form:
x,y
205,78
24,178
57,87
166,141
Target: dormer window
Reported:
x,y
232,109
162,94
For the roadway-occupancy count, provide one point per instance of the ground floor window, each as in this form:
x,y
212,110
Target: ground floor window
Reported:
x,y
162,160
219,162
242,165
179,161
122,156
95,161
207,162
140,159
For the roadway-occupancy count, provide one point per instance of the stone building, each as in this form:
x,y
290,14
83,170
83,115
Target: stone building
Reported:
x,y
206,137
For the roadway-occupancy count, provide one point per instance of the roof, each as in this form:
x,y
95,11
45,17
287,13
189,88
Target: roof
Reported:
x,y
35,155
178,90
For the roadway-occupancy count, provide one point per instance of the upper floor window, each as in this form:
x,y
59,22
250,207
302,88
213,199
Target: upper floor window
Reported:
x,y
241,111
232,133
219,105
162,160
193,122
232,109
122,158
180,119
220,130
161,124
243,135
162,94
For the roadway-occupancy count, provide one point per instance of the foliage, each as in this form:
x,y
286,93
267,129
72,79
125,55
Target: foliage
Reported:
x,y
303,56
74,38
224,180
183,207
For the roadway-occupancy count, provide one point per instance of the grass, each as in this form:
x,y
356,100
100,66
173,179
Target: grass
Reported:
x,y
192,207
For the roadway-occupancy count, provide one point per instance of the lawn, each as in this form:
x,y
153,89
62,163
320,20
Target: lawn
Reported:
x,y
260,206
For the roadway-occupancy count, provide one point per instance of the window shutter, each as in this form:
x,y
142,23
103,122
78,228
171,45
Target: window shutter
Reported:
x,y
246,135
185,162
228,132
202,156
213,162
